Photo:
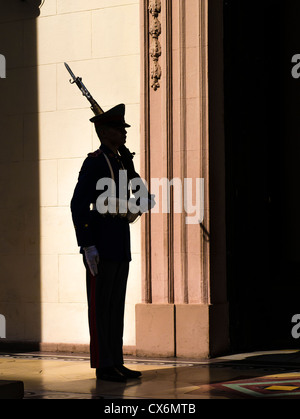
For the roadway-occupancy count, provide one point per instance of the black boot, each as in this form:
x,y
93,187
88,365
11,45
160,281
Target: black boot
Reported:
x,y
127,372
110,374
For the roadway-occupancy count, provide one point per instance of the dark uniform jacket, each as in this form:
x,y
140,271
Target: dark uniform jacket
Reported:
x,y
111,235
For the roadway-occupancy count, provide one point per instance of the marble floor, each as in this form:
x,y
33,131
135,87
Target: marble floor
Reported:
x,y
65,376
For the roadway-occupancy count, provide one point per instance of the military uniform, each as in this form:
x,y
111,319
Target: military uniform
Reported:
x,y
111,235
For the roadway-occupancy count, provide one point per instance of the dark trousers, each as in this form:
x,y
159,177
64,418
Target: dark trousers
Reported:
x,y
106,302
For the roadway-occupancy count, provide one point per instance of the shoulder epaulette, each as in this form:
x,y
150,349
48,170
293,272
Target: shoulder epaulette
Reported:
x,y
96,153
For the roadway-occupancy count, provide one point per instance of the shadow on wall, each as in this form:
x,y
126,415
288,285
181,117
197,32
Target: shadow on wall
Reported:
x,y
19,173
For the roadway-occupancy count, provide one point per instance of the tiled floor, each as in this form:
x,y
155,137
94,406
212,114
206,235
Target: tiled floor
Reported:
x,y
259,375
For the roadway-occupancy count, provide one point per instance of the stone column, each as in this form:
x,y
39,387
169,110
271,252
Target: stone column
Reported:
x,y
179,312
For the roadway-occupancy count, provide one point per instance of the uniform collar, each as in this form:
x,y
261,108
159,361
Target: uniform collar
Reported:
x,y
108,151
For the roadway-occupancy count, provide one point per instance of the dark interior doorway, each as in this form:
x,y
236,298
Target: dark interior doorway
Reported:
x,y
262,129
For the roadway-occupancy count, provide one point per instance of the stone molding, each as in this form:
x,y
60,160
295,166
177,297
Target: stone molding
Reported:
x,y
155,46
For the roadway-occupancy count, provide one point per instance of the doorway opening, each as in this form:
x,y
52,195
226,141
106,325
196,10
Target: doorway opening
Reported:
x,y
262,136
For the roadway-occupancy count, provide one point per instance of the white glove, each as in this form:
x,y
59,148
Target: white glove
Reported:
x,y
92,259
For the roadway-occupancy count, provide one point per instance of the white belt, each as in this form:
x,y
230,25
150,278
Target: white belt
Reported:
x,y
131,216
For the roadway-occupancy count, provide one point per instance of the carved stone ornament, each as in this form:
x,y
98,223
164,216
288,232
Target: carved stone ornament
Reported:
x,y
155,47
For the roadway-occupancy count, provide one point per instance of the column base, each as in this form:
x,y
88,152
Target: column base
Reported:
x,y
202,331
182,330
155,330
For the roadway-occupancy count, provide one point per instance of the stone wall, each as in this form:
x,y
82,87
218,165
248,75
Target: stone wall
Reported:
x,y
45,135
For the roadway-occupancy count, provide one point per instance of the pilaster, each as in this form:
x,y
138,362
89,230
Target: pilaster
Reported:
x,y
176,255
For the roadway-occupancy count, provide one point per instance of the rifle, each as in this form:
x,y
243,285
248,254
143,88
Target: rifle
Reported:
x,y
125,153
78,81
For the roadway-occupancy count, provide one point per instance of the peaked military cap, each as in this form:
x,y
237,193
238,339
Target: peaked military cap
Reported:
x,y
115,117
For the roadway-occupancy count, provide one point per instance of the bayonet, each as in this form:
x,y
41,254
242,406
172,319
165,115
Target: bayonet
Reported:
x,y
78,81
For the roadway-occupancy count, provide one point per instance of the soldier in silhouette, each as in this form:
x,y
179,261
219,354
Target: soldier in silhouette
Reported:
x,y
105,244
